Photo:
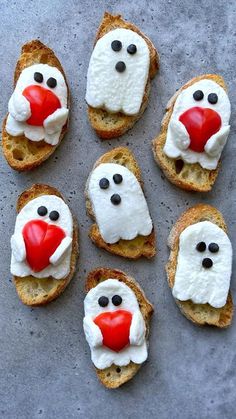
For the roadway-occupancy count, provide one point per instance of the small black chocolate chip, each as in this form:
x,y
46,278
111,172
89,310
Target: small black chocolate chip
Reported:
x,y
51,82
116,300
198,95
103,301
38,77
207,263
54,215
201,246
115,199
104,183
42,211
120,66
132,49
116,45
117,178
213,247
212,98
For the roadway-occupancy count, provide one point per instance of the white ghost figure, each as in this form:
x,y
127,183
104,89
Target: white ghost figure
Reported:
x,y
51,93
136,349
54,212
118,203
178,139
204,265
118,72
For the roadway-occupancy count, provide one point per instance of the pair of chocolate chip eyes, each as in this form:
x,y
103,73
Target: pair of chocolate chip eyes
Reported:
x,y
104,301
213,247
117,46
51,82
199,95
42,211
104,182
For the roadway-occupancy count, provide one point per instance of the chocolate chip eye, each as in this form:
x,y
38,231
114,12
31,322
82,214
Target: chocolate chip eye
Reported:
x,y
120,66
54,215
42,211
132,49
213,247
212,98
116,45
38,77
115,199
51,82
198,95
103,301
104,183
116,300
201,247
207,263
117,178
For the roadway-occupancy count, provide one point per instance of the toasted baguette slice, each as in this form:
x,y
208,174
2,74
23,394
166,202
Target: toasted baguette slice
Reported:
x,y
201,314
21,153
106,124
191,177
141,245
113,376
40,291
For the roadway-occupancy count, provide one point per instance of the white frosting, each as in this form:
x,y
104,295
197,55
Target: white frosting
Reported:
x,y
109,89
192,280
102,356
126,220
19,106
177,140
60,264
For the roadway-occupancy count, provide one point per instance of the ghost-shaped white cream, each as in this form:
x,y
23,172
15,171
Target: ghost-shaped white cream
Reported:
x,y
20,110
102,356
204,265
118,72
125,219
178,140
59,266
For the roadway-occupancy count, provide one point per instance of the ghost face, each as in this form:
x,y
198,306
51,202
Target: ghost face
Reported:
x,y
41,243
38,105
199,125
204,265
118,72
118,203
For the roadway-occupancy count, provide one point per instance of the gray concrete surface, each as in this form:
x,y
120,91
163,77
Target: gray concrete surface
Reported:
x,y
45,367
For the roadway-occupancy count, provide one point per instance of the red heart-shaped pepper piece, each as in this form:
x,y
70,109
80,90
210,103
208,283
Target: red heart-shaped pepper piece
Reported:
x,y
43,102
115,328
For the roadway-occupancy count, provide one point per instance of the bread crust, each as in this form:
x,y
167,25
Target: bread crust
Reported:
x,y
139,246
191,177
110,125
21,153
200,314
40,291
113,376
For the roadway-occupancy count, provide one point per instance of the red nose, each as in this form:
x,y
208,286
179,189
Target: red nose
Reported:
x,y
201,124
43,102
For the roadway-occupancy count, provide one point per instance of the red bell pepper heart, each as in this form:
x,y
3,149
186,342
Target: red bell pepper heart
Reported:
x,y
43,102
115,328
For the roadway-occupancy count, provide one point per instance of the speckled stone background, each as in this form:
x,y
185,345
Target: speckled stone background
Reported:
x,y
45,366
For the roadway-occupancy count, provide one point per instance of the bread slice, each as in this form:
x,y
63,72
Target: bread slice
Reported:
x,y
114,376
21,153
40,291
201,314
191,177
141,245
106,124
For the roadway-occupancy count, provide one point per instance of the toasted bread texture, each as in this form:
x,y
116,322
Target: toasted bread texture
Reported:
x,y
40,291
113,376
23,154
110,125
139,246
191,177
200,314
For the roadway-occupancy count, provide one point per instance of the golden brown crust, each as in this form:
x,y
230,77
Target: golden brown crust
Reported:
x,y
200,314
21,153
110,125
113,376
191,177
40,291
